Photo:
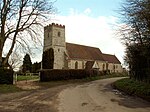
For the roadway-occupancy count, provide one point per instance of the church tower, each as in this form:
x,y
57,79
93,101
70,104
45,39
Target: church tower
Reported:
x,y
54,37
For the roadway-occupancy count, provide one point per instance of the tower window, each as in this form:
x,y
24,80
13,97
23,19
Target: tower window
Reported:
x,y
58,34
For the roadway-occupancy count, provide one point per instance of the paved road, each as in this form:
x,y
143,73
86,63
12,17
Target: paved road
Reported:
x,y
98,96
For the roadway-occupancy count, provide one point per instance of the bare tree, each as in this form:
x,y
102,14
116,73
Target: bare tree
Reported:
x,y
20,20
136,19
136,36
15,59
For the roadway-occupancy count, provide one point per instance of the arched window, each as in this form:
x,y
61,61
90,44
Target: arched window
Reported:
x,y
103,66
58,34
76,65
82,64
107,66
114,67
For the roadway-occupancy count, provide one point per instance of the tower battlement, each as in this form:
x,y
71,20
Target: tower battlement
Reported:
x,y
54,24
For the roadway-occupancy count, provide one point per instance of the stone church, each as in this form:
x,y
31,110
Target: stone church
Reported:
x,y
75,56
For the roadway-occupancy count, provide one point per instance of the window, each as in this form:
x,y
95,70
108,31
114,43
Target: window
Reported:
x,y
82,64
107,66
58,34
103,66
76,65
116,66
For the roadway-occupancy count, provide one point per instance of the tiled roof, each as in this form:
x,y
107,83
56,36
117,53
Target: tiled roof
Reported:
x,y
111,58
76,51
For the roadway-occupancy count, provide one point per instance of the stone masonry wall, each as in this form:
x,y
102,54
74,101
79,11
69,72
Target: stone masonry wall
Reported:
x,y
54,37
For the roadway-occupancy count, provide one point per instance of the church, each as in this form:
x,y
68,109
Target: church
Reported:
x,y
75,56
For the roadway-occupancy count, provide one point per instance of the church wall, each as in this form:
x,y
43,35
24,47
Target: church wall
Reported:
x,y
59,57
111,67
58,40
80,64
115,67
119,68
100,64
47,38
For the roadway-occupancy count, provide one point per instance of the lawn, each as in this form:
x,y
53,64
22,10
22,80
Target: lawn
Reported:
x,y
133,87
8,88
28,77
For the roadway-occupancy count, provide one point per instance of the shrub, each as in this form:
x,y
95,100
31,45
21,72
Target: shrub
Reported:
x,y
65,74
6,76
48,59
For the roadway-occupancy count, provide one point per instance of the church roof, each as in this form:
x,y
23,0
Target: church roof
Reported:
x,y
111,58
76,51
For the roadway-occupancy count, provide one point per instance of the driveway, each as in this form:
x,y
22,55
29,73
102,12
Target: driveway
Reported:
x,y
98,96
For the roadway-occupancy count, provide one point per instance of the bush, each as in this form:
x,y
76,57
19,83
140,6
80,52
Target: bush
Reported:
x,y
59,74
6,76
48,59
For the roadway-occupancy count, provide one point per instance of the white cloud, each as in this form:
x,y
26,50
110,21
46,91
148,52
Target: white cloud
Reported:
x,y
83,29
87,11
91,31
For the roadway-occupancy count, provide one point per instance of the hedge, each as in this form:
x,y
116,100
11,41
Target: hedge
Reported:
x,y
6,76
65,74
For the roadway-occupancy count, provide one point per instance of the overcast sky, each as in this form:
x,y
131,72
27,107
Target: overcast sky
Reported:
x,y
91,23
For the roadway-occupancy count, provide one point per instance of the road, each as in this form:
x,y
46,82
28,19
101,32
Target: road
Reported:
x,y
65,96
98,96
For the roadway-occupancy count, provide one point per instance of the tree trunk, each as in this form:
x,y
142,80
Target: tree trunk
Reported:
x,y
1,50
0,58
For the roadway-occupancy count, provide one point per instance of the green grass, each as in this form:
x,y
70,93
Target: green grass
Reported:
x,y
112,75
8,88
21,78
133,87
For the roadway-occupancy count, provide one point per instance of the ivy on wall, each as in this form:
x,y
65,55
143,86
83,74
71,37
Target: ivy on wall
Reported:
x,y
48,59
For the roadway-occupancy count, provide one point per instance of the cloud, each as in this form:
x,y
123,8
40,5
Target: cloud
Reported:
x,y
92,31
83,29
87,11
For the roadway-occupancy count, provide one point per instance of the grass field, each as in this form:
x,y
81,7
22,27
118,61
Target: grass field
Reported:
x,y
4,88
133,87
8,88
21,78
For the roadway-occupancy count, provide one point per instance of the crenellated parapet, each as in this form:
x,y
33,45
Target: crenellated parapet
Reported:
x,y
55,25
58,25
